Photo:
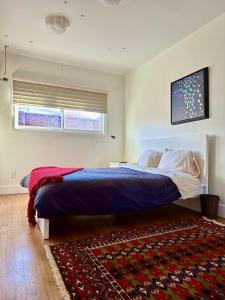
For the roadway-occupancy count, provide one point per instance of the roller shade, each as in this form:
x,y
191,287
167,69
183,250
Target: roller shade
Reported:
x,y
30,93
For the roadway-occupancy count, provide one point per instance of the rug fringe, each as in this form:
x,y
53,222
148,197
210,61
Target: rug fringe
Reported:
x,y
213,221
56,273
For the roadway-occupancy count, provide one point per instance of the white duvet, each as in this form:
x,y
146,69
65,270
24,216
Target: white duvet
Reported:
x,y
188,185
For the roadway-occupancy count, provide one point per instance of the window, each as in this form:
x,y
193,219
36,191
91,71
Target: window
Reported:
x,y
83,120
37,117
46,118
46,107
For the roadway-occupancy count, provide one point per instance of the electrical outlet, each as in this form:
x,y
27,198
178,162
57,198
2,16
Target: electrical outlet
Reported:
x,y
13,174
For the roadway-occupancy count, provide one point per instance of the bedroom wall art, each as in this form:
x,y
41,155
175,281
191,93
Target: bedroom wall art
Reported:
x,y
190,98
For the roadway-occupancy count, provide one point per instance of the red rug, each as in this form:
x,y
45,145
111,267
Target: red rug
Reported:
x,y
183,260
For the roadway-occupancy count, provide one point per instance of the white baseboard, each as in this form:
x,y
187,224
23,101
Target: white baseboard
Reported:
x,y
221,210
194,204
12,189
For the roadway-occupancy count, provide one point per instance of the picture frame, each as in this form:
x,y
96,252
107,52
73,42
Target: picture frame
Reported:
x,y
190,97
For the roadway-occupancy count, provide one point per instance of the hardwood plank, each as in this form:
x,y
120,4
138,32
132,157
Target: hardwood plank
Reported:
x,y
24,270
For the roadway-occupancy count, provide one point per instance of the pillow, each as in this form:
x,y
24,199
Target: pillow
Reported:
x,y
180,160
150,158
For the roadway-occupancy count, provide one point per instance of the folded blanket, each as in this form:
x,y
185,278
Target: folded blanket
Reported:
x,y
42,176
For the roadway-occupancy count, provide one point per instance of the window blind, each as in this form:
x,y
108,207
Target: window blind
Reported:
x,y
29,93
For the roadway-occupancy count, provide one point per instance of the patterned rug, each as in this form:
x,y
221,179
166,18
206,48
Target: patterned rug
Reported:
x,y
183,260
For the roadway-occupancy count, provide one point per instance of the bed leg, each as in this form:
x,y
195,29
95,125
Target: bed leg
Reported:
x,y
44,227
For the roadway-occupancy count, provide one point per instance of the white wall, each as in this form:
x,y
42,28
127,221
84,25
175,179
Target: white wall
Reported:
x,y
148,97
21,151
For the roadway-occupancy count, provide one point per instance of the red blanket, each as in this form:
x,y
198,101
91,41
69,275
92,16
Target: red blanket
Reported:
x,y
42,176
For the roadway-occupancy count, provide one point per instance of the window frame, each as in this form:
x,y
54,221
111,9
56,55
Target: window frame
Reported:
x,y
56,130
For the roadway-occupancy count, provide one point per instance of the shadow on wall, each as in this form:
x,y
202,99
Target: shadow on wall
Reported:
x,y
216,170
212,162
5,108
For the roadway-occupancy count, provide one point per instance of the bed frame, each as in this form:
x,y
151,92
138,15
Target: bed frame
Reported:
x,y
198,144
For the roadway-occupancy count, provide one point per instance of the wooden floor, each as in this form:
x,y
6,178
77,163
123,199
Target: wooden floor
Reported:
x,y
24,269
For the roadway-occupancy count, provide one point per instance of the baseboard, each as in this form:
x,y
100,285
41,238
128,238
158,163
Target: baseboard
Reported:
x,y
194,204
12,189
221,210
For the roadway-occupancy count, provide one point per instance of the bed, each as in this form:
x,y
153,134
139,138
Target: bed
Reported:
x,y
121,190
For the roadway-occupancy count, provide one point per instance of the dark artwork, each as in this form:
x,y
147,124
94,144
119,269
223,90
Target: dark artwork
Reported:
x,y
189,98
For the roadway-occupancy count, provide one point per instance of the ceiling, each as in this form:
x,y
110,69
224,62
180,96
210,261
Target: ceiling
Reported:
x,y
113,39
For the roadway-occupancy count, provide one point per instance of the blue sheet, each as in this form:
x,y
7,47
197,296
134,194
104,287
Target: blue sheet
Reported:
x,y
104,191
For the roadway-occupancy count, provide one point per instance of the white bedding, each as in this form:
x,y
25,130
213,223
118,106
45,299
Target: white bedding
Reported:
x,y
188,185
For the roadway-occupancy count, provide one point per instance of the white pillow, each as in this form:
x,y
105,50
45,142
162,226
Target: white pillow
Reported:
x,y
150,158
180,160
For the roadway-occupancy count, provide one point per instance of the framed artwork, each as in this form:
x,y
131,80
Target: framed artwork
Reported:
x,y
190,98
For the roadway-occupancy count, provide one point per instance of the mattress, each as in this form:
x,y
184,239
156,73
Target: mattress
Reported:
x,y
104,191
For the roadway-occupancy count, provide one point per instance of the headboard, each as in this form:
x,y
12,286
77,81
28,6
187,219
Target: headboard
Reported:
x,y
198,144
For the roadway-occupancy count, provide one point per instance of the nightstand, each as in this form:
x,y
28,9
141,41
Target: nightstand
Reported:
x,y
117,164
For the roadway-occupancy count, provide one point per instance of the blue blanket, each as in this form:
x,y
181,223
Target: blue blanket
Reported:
x,y
104,191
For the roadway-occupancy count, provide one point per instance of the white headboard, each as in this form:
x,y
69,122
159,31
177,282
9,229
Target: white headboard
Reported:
x,y
198,144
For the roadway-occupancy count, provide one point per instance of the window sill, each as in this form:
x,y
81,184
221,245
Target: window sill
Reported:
x,y
55,131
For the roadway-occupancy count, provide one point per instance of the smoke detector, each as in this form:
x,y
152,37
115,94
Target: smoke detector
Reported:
x,y
110,2
57,24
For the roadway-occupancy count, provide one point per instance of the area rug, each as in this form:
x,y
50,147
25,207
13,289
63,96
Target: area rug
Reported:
x,y
182,260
